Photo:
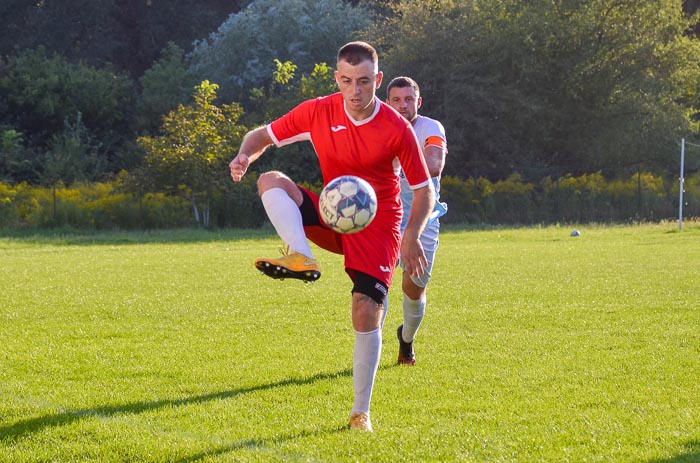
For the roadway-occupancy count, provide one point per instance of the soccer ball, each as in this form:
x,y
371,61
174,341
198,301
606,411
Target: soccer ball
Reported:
x,y
347,204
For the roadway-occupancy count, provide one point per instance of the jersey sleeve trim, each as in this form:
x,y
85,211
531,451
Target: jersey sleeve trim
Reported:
x,y
304,136
420,185
272,135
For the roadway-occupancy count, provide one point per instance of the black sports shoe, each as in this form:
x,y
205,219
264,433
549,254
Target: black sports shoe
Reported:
x,y
406,355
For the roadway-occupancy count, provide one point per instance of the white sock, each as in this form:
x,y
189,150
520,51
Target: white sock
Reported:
x,y
368,349
286,218
413,312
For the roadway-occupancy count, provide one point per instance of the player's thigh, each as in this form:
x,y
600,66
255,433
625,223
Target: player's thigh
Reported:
x,y
316,231
374,250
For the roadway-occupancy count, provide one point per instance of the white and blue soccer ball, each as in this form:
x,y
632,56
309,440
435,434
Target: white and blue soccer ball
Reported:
x,y
348,204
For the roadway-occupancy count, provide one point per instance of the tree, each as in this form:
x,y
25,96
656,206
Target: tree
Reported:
x,y
72,155
129,34
638,77
549,87
191,155
163,86
41,91
240,54
16,162
287,90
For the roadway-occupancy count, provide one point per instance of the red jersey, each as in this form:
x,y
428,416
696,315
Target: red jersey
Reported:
x,y
371,149
375,149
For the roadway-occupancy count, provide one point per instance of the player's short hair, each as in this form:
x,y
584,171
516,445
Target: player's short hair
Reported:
x,y
403,82
356,52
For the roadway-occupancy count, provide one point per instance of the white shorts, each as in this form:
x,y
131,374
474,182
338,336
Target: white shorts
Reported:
x,y
430,242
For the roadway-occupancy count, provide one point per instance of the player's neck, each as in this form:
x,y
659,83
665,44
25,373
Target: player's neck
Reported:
x,y
364,113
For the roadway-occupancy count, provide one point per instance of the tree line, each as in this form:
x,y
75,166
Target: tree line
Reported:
x,y
158,94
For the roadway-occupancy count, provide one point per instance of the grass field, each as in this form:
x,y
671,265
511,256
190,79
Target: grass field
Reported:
x,y
169,347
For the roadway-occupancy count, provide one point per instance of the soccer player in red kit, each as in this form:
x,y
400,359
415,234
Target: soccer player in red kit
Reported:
x,y
353,133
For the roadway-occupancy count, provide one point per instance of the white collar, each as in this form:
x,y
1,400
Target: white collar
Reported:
x,y
377,103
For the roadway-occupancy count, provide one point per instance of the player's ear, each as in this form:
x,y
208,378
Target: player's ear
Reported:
x,y
335,74
420,102
380,74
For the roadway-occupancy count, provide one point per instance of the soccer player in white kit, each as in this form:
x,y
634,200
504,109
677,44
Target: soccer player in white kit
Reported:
x,y
403,95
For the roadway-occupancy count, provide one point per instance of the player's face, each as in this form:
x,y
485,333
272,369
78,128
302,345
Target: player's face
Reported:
x,y
358,85
405,101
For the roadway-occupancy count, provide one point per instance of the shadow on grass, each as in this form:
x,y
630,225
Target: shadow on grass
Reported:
x,y
691,455
34,425
252,444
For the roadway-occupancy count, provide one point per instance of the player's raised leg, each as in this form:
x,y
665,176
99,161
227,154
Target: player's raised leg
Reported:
x,y
281,198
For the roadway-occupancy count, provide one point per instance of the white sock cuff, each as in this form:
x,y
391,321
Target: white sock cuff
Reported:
x,y
414,305
423,297
365,333
274,194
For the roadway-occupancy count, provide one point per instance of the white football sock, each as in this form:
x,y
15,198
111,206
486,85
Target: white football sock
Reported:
x,y
368,349
413,311
286,218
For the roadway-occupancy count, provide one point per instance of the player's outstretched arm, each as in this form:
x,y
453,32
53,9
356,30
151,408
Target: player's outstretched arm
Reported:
x,y
252,147
412,254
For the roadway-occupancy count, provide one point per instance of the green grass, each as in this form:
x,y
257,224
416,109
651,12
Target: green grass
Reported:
x,y
169,347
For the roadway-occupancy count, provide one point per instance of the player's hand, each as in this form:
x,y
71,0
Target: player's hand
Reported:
x,y
413,257
239,166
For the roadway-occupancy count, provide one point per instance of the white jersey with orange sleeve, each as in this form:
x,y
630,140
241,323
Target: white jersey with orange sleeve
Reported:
x,y
429,132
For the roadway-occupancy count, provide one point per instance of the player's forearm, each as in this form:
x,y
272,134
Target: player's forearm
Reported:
x,y
421,207
255,143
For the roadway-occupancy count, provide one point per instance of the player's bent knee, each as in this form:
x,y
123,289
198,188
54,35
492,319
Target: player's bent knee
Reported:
x,y
270,180
421,281
414,287
413,292
275,179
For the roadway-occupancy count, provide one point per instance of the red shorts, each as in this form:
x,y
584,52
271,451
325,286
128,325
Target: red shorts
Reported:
x,y
374,250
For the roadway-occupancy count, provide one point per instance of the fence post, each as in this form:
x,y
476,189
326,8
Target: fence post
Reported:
x,y
680,189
